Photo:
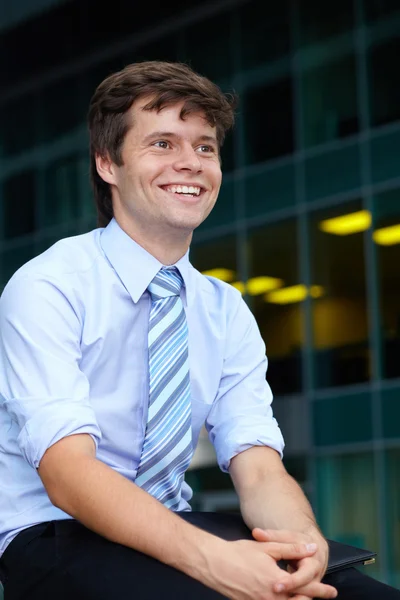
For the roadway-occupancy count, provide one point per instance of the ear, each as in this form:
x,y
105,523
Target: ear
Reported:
x,y
105,168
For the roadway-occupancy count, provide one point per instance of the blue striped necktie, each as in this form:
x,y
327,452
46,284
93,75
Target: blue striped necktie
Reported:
x,y
167,447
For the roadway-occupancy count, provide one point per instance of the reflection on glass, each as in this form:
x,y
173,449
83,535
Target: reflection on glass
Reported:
x,y
61,200
268,115
340,328
393,514
386,235
265,32
320,21
383,86
330,101
347,504
19,205
273,254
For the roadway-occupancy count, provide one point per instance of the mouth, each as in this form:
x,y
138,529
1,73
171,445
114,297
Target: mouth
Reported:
x,y
184,191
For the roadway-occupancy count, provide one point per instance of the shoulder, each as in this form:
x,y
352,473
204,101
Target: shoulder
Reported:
x,y
68,257
59,271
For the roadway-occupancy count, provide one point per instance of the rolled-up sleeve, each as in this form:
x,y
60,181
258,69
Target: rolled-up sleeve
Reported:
x,y
41,383
241,415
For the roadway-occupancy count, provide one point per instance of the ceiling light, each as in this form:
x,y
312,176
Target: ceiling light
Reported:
x,y
260,285
387,236
220,273
294,293
347,224
239,285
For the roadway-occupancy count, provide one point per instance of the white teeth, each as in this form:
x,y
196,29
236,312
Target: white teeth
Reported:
x,y
183,189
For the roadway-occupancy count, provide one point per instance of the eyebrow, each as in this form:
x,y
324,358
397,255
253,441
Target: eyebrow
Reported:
x,y
170,134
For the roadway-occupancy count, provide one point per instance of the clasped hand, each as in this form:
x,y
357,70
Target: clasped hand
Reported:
x,y
248,570
302,581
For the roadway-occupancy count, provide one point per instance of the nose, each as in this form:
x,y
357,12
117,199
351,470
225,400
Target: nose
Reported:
x,y
188,160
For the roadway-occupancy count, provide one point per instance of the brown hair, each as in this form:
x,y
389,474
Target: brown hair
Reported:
x,y
165,83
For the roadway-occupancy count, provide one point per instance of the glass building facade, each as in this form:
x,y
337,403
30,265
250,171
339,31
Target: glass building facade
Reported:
x,y
307,224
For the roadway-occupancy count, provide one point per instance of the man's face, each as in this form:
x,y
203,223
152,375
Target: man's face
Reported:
x,y
171,174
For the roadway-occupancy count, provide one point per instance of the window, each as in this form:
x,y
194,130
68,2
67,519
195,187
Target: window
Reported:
x,y
378,9
19,206
61,200
321,21
265,32
330,101
270,188
218,256
343,419
393,514
340,327
347,503
386,235
272,287
384,91
18,125
62,108
207,46
268,121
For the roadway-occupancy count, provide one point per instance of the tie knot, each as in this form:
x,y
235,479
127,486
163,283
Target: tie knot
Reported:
x,y
167,282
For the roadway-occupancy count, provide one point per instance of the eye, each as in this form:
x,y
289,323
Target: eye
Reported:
x,y
161,144
206,148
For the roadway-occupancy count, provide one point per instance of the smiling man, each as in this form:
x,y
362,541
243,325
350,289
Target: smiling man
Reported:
x,y
114,353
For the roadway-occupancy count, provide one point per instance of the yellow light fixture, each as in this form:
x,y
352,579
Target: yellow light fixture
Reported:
x,y
387,236
347,224
220,273
261,285
294,293
239,285
258,285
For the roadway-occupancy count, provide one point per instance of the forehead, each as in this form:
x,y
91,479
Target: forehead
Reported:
x,y
168,119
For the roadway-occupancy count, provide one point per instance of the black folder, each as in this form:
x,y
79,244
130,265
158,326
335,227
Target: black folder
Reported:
x,y
230,526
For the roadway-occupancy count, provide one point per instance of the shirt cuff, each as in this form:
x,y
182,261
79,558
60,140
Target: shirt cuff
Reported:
x,y
233,442
52,423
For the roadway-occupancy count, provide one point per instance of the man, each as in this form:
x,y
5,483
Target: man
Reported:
x,y
114,352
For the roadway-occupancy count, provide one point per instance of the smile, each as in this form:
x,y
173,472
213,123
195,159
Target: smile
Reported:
x,y
190,191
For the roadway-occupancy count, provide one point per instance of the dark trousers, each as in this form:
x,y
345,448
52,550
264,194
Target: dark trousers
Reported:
x,y
61,560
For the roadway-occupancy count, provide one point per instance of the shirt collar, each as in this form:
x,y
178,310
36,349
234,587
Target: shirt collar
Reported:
x,y
134,265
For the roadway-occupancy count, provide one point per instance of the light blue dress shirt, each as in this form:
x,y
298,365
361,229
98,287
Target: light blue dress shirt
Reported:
x,y
73,359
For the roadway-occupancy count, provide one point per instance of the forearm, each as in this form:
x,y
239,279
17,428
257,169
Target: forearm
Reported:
x,y
112,506
277,502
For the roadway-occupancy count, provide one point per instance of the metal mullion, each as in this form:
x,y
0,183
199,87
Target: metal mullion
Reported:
x,y
371,280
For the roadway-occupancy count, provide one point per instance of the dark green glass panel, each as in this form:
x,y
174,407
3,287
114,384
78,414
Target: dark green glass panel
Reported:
x,y
265,32
385,156
342,420
320,21
19,204
14,257
224,210
391,413
330,101
271,189
333,172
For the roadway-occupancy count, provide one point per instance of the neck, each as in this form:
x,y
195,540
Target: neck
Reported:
x,y
166,247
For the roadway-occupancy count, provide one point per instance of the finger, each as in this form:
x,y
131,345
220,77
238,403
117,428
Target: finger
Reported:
x,y
289,551
280,535
305,574
318,590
